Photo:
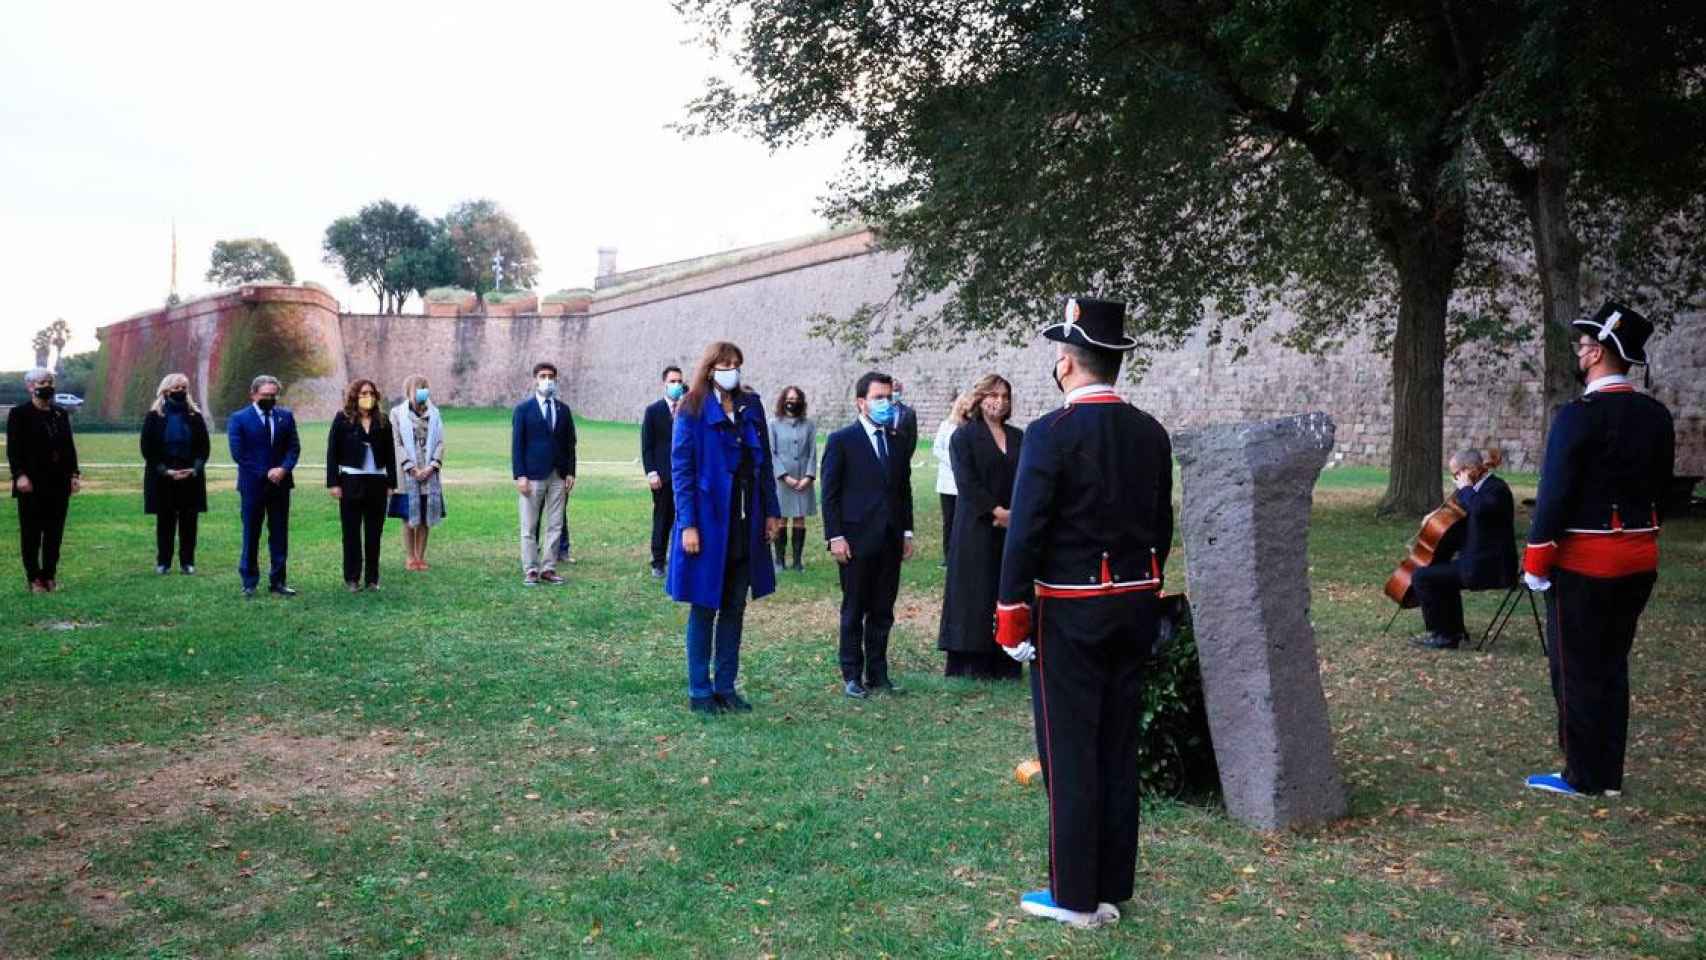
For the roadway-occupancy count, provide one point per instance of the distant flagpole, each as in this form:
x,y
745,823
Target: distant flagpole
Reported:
x,y
173,294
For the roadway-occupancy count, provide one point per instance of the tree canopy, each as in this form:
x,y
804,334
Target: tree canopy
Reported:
x,y
251,260
1210,163
491,250
373,246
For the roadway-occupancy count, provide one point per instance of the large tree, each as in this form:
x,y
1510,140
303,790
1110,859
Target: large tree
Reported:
x,y
251,260
1206,161
1595,122
366,245
492,251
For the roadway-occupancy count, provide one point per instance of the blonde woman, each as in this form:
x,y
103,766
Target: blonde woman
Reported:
x,y
175,448
419,435
985,454
940,449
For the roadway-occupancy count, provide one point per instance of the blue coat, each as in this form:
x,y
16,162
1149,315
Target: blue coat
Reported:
x,y
252,452
704,453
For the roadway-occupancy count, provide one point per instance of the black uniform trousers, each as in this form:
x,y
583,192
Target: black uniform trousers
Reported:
x,y
361,511
1590,627
1439,587
663,522
41,529
1086,695
870,582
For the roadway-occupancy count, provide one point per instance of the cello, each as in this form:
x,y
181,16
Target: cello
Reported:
x,y
1423,548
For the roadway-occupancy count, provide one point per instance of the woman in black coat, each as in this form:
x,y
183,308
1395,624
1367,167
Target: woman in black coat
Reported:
x,y
361,474
175,448
985,456
42,458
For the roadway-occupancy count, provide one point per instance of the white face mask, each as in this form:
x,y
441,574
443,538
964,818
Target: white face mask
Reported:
x,y
728,380
546,387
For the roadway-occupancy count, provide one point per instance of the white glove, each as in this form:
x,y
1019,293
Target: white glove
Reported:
x,y
1537,584
1022,651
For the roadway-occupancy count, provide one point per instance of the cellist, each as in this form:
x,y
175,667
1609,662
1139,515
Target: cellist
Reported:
x,y
1485,558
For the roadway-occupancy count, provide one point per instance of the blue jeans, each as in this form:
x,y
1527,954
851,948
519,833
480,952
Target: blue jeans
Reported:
x,y
721,627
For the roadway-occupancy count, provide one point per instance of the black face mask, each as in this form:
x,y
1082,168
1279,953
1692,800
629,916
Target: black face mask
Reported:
x,y
793,407
1054,374
177,397
266,404
44,393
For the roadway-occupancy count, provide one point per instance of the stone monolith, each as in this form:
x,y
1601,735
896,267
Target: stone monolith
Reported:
x,y
1247,493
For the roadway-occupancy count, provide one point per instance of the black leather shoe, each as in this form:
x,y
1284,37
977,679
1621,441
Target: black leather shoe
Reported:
x,y
657,573
854,690
1440,642
705,705
734,702
282,590
883,686
248,593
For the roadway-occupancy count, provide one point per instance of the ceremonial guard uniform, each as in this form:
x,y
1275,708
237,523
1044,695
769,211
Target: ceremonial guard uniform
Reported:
x,y
1092,520
1594,544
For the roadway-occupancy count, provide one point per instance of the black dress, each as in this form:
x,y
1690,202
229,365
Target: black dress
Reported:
x,y
984,476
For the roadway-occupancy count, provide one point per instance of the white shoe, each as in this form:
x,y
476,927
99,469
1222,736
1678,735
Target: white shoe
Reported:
x,y
1108,913
1038,903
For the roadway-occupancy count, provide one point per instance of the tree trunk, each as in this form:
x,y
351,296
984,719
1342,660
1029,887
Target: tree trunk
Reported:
x,y
1428,258
1558,254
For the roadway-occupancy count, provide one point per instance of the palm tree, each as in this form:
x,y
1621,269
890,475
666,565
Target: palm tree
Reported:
x,y
60,332
42,342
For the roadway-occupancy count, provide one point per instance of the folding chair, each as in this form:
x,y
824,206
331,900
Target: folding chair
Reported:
x,y
1502,616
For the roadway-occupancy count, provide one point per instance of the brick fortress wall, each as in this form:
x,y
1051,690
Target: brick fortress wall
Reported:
x,y
763,298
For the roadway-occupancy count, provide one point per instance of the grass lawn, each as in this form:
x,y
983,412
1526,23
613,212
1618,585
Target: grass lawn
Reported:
x,y
461,766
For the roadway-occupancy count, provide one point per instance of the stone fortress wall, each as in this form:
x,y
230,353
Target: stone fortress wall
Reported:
x,y
762,298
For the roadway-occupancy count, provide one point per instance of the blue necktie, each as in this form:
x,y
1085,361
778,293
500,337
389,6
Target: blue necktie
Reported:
x,y
883,446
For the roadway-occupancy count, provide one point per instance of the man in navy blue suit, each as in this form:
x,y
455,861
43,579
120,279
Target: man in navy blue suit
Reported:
x,y
656,429
867,517
542,458
1479,553
265,448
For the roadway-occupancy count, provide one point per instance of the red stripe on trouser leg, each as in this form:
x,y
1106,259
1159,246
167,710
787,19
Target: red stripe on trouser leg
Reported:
x,y
1048,741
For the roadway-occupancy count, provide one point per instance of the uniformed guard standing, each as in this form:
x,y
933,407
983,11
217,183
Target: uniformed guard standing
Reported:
x,y
1091,524
1594,545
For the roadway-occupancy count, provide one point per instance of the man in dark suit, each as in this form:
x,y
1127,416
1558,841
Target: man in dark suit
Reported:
x,y
867,518
656,428
1478,553
1594,545
265,447
1091,524
542,458
905,425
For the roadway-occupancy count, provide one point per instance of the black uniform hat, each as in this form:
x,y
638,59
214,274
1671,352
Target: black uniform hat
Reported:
x,y
1096,324
1622,327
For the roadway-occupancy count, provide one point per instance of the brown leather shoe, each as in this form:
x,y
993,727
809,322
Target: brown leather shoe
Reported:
x,y
552,577
51,585
36,586
531,580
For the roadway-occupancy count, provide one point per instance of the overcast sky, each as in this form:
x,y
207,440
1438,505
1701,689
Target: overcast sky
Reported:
x,y
272,120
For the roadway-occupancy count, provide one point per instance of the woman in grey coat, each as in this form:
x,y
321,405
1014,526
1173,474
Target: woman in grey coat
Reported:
x,y
793,449
418,432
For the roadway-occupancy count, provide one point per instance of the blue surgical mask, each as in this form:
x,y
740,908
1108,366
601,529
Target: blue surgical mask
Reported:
x,y
675,391
421,394
880,410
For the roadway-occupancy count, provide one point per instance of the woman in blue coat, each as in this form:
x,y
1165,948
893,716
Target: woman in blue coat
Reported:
x,y
725,511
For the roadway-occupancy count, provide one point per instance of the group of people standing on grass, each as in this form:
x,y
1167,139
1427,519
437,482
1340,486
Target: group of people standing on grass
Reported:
x,y
1056,538
379,463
